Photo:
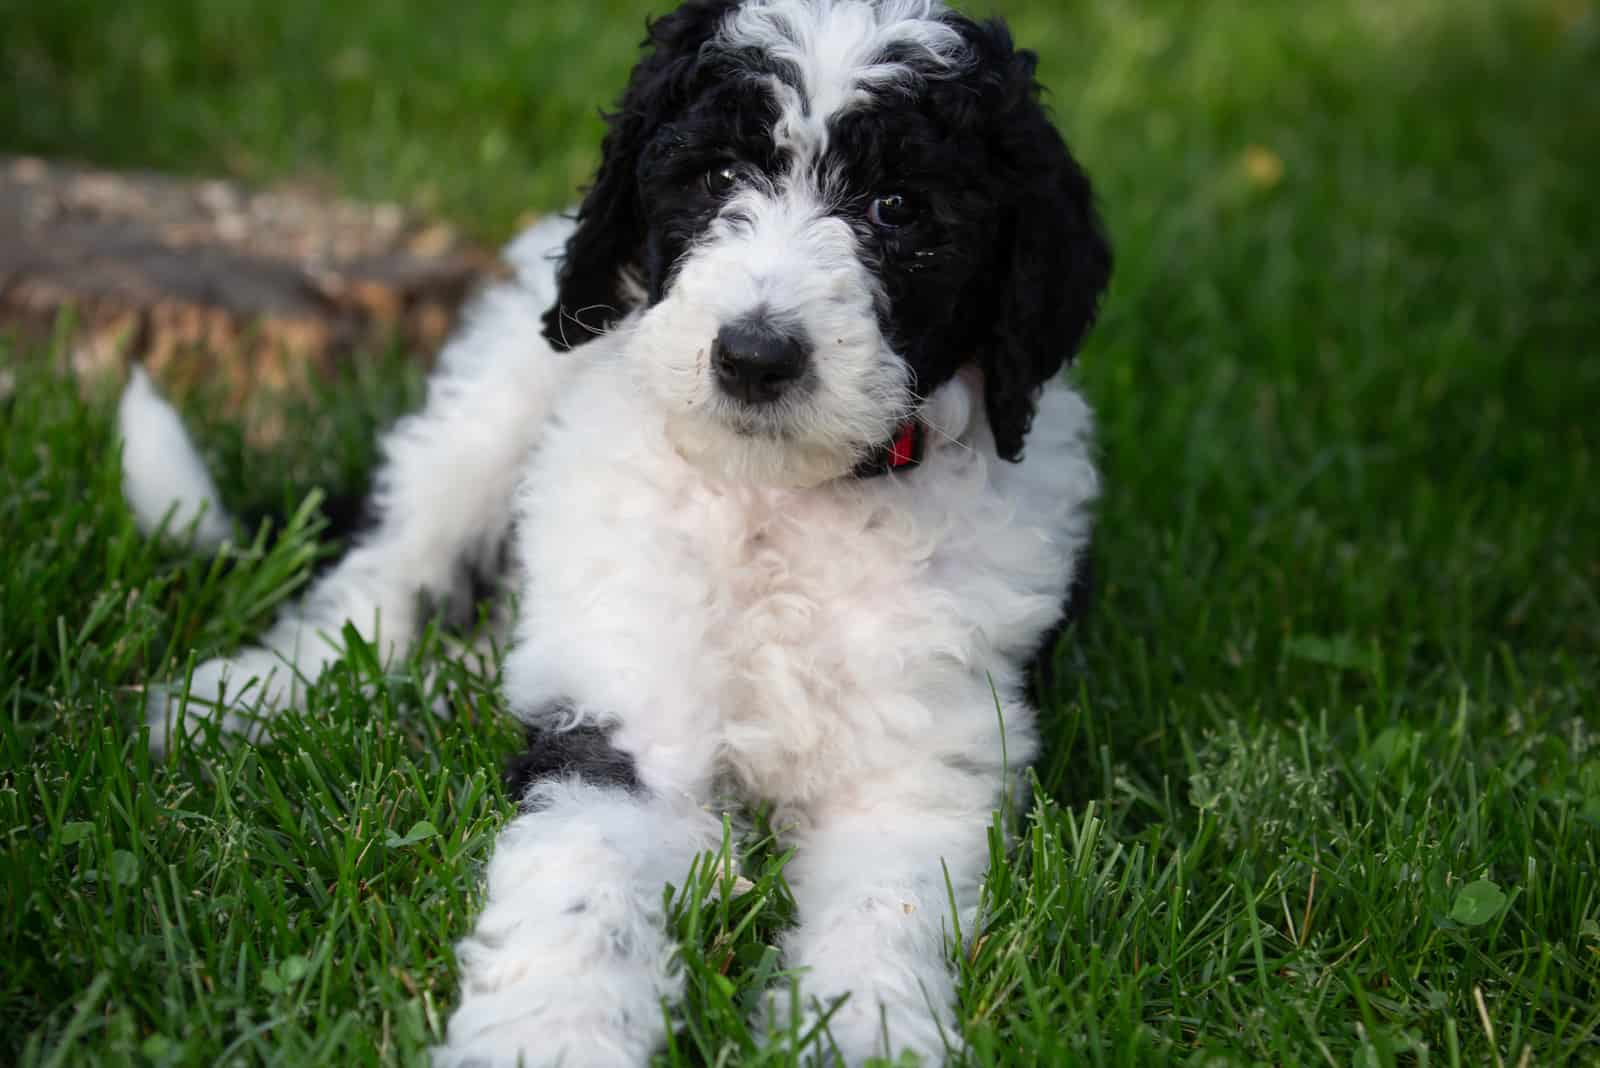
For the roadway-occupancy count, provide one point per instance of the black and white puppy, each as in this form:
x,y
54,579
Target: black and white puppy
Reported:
x,y
753,426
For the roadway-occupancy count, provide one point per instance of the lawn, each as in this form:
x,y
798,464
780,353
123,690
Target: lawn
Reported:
x,y
1323,779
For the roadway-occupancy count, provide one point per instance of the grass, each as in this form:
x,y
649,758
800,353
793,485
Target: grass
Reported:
x,y
1324,783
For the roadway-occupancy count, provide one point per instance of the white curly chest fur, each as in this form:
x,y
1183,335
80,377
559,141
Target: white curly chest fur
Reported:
x,y
805,638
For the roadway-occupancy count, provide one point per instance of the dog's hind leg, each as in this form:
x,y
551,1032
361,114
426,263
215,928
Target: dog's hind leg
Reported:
x,y
442,509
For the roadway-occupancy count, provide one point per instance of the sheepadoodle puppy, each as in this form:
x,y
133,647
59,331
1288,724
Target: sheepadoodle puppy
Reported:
x,y
772,441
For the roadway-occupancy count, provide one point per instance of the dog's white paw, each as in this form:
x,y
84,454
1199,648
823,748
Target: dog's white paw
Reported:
x,y
238,694
505,1035
574,989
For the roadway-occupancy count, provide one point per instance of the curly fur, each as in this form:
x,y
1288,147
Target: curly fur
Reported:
x,y
715,607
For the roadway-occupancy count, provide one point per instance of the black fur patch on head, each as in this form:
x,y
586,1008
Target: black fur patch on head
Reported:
x,y
1005,261
584,752
611,234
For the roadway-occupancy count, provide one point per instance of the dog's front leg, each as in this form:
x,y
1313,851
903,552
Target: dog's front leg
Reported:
x,y
441,511
875,932
570,961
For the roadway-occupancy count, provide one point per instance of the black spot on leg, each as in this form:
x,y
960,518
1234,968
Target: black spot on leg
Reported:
x,y
583,752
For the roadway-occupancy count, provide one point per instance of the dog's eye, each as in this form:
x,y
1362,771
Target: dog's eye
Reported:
x,y
724,178
892,212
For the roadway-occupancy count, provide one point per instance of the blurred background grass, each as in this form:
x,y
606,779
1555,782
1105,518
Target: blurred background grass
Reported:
x,y
1364,222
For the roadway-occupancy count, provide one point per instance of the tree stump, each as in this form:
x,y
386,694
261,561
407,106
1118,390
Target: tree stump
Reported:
x,y
208,279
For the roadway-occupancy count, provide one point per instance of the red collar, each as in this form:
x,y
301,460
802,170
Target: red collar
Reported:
x,y
902,451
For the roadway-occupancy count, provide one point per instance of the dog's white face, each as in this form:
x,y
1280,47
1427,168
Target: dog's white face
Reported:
x,y
822,210
766,352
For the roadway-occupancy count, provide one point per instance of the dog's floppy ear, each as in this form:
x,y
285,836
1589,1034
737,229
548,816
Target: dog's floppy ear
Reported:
x,y
1054,259
610,234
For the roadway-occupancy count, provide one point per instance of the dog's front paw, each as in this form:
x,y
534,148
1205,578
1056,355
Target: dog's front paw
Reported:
x,y
237,693
573,989
508,1032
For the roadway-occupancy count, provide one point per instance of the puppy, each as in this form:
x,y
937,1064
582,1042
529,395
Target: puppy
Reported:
x,y
752,427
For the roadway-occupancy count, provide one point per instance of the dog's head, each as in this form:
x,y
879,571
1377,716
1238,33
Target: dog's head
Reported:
x,y
825,209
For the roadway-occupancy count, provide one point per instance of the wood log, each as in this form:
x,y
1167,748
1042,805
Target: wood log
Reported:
x,y
207,279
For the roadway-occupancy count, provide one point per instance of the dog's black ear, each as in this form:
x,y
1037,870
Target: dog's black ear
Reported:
x,y
1054,260
610,235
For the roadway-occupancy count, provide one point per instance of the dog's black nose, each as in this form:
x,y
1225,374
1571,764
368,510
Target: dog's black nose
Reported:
x,y
755,360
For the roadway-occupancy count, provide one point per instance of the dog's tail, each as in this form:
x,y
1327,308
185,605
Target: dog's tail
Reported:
x,y
164,481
